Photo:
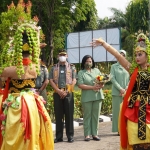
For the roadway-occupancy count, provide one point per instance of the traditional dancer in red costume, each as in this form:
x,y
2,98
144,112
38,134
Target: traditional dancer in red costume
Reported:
x,y
135,112
25,123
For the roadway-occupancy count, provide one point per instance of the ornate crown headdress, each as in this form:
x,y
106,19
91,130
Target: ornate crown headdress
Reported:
x,y
26,38
142,44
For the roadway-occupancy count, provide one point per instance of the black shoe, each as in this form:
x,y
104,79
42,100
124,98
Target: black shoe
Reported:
x,y
96,138
70,140
87,139
58,140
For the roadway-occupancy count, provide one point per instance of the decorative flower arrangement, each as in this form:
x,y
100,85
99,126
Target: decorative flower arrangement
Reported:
x,y
12,43
101,79
17,47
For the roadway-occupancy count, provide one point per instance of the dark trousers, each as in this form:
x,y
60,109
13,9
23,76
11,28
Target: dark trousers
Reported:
x,y
64,108
44,94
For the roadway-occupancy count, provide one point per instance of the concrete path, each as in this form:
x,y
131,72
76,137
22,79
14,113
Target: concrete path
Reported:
x,y
109,140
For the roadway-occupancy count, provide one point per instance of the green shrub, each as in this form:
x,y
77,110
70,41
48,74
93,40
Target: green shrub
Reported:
x,y
77,105
50,105
107,103
78,113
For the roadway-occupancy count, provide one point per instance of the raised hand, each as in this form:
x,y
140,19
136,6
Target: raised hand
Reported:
x,y
97,42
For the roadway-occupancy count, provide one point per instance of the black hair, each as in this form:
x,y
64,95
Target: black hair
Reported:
x,y
25,40
25,54
84,60
25,37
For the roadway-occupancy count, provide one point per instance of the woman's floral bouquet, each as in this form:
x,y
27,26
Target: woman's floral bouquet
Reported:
x,y
102,79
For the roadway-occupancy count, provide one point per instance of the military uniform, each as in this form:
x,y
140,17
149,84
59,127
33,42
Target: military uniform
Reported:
x,y
120,79
62,76
40,80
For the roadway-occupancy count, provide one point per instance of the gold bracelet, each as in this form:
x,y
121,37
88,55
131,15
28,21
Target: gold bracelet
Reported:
x,y
101,43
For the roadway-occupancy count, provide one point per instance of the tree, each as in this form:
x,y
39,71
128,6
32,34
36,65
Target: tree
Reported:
x,y
58,17
117,20
137,16
10,19
90,21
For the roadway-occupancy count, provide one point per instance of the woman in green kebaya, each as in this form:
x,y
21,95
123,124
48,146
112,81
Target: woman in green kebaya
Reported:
x,y
91,97
120,80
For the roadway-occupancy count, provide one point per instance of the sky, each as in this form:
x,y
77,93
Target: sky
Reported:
x,y
103,6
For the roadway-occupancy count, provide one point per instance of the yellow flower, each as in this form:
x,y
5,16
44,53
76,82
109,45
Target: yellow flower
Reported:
x,y
101,78
25,47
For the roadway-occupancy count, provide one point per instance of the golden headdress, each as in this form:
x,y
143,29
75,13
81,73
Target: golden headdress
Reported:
x,y
26,40
142,44
28,35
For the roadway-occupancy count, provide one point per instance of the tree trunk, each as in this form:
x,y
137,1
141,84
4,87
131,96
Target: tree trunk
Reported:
x,y
51,47
51,13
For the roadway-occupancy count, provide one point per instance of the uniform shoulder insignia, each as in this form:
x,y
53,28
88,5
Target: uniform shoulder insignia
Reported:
x,y
54,65
43,65
72,65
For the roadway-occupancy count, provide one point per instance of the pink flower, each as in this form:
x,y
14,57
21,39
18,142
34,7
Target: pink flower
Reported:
x,y
2,127
9,103
2,117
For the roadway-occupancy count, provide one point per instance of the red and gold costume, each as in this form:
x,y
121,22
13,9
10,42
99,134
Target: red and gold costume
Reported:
x,y
25,122
135,109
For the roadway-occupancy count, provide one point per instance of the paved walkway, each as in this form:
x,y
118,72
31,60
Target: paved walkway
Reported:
x,y
109,140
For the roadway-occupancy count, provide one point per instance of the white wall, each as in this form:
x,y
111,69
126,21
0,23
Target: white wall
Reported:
x,y
78,45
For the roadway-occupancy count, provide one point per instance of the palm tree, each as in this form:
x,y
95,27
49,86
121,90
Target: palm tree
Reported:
x,y
118,19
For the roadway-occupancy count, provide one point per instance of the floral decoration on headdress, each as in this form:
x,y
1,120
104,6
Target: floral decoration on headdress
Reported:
x,y
12,44
31,44
7,54
142,44
25,47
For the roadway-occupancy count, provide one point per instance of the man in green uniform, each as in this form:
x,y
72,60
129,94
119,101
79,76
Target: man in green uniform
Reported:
x,y
63,78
